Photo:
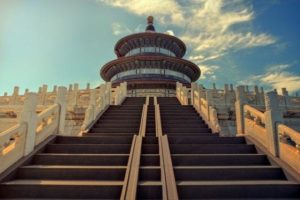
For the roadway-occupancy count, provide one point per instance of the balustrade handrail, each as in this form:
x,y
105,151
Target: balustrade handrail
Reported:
x,y
12,143
128,169
48,111
47,123
254,111
293,134
158,127
38,124
92,123
143,121
6,136
167,170
203,101
129,189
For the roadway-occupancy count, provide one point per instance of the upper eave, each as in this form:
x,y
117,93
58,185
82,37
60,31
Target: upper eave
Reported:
x,y
149,38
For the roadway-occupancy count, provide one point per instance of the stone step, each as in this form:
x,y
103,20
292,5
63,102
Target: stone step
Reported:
x,y
125,108
80,159
150,130
207,134
136,114
205,140
89,148
115,130
194,173
61,189
150,140
150,173
119,117
167,122
112,126
120,110
179,120
150,149
270,189
114,121
110,134
184,126
65,172
219,159
179,117
95,140
150,160
186,130
212,149
149,190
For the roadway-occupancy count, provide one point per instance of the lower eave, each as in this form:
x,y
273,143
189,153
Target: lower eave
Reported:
x,y
150,61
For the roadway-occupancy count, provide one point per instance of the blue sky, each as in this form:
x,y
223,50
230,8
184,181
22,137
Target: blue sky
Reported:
x,y
58,42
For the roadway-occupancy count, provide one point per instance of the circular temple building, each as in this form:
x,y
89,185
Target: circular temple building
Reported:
x,y
151,63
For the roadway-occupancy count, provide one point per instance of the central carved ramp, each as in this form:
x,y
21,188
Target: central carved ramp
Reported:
x,y
150,185
207,166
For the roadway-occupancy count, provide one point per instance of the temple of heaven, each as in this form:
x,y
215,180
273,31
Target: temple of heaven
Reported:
x,y
151,63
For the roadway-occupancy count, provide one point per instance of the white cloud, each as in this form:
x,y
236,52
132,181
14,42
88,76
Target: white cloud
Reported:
x,y
160,9
170,32
205,24
208,28
208,72
202,58
119,29
277,68
214,45
276,77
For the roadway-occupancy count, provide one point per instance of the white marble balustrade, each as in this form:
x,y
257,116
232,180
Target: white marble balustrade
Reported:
x,y
35,123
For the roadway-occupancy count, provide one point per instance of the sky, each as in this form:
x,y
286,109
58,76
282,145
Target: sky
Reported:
x,y
59,42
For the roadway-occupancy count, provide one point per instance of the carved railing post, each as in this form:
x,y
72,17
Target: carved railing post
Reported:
x,y
257,95
61,100
239,109
14,96
214,86
90,113
26,91
262,96
29,117
226,94
193,89
92,104
117,95
185,96
209,100
75,97
54,89
108,91
101,98
178,91
88,86
70,87
285,95
273,116
123,91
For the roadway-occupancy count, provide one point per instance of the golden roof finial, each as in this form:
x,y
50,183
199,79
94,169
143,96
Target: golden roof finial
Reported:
x,y
150,19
